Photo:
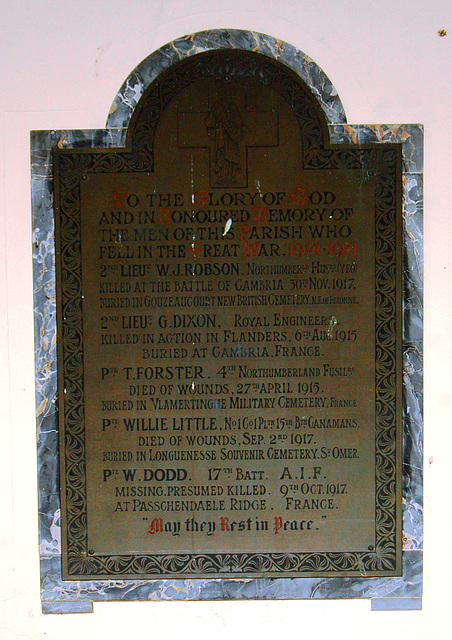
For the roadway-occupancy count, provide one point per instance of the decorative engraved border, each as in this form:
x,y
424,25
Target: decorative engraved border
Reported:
x,y
381,164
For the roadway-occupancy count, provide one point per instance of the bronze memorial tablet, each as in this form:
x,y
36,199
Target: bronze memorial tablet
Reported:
x,y
229,299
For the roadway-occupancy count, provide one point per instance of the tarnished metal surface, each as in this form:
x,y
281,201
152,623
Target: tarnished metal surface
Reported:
x,y
230,313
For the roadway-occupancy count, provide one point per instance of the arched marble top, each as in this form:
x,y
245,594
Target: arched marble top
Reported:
x,y
141,77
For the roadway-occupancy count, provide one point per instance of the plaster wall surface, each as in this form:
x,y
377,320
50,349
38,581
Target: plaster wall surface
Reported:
x,y
62,65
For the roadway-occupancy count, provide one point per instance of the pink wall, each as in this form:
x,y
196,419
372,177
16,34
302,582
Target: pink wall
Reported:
x,y
62,65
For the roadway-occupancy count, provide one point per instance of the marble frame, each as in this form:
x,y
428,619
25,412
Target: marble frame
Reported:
x,y
59,596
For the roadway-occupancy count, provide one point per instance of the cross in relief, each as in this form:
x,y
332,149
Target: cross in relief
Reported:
x,y
231,123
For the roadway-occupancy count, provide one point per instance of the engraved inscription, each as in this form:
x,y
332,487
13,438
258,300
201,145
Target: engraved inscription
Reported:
x,y
231,328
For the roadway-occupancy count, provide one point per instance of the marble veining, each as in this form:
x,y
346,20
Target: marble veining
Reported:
x,y
141,77
63,596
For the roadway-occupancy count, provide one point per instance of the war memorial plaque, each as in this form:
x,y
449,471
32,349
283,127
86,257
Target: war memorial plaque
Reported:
x,y
229,299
